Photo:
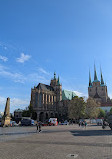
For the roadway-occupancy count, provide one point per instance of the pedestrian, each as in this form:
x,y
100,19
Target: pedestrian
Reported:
x,y
82,124
79,123
40,127
85,124
37,126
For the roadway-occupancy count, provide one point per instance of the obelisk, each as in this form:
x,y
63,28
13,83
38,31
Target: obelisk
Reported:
x,y
6,116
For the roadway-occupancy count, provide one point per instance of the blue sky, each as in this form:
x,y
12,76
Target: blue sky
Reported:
x,y
38,37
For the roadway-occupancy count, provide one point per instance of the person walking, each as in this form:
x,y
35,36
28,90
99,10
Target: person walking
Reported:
x,y
40,127
79,123
85,124
37,126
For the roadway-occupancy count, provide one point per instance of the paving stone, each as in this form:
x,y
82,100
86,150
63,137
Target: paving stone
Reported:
x,y
56,142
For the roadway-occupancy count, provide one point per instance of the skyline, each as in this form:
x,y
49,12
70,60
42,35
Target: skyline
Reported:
x,y
39,37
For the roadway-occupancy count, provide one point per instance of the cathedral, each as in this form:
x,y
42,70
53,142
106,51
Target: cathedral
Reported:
x,y
50,100
98,90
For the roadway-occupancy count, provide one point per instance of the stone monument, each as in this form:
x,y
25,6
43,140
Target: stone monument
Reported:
x,y
6,117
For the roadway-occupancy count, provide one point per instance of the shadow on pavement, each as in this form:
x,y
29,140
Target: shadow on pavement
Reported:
x,y
18,133
91,132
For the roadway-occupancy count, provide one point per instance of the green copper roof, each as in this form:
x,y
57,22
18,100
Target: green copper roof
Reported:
x,y
96,81
102,85
58,82
68,95
95,74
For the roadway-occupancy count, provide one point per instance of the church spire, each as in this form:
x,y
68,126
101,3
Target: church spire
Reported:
x,y
90,84
95,74
102,81
58,82
54,75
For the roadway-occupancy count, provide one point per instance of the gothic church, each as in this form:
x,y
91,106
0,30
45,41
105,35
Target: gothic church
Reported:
x,y
98,90
50,100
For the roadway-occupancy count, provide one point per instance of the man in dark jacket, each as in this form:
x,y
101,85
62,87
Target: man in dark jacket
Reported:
x,y
40,124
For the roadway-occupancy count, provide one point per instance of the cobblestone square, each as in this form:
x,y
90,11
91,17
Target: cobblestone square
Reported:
x,y
56,142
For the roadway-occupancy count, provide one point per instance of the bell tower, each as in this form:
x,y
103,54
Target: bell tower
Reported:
x,y
59,90
55,83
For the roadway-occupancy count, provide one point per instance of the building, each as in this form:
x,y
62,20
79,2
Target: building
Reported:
x,y
50,101
98,90
18,115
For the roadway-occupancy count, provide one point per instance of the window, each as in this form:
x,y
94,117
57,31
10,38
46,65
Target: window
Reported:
x,y
40,99
36,99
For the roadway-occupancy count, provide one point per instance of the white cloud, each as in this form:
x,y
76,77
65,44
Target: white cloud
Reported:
x,y
3,58
78,93
23,58
43,71
110,95
36,78
2,100
16,77
15,103
3,46
19,102
21,78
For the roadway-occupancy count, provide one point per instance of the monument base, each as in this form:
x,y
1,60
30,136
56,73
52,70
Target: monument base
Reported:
x,y
6,121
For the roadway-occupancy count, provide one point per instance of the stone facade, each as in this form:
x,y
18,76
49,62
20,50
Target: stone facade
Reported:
x,y
98,90
47,101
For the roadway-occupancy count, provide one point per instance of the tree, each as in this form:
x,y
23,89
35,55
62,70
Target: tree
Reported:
x,y
101,113
26,113
92,110
76,108
29,112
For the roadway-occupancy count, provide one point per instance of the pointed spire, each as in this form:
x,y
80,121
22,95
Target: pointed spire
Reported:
x,y
90,84
58,82
95,74
54,75
102,81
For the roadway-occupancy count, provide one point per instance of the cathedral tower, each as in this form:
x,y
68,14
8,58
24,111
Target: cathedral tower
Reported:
x,y
55,83
97,89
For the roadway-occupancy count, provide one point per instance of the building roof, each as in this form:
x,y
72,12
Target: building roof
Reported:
x,y
67,95
102,85
45,87
96,81
95,74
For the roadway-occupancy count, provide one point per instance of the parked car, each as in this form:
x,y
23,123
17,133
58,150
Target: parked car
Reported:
x,y
13,123
64,123
53,121
48,124
27,122
99,121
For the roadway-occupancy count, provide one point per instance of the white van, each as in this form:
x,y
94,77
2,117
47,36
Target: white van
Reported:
x,y
53,121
